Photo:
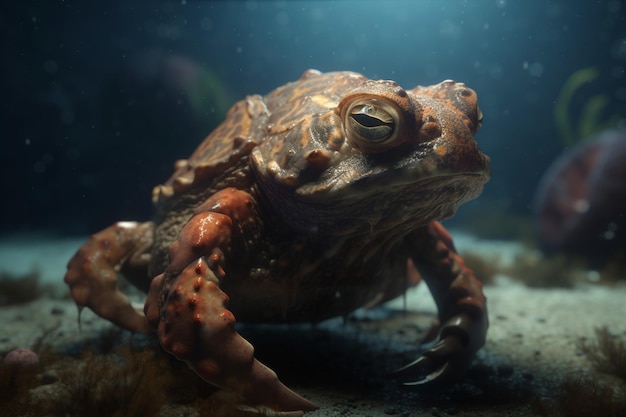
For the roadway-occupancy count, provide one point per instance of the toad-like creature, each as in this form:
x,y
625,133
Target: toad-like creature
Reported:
x,y
310,202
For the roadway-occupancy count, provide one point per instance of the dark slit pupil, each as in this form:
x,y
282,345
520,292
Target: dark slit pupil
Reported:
x,y
369,121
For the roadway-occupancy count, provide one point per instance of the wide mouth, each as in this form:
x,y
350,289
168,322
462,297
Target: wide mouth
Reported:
x,y
344,183
389,202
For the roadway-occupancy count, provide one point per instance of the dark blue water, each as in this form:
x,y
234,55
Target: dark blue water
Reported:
x,y
99,98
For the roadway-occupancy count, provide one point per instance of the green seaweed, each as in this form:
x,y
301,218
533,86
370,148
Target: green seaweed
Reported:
x,y
484,267
561,106
579,396
530,268
607,353
554,271
590,119
615,269
124,382
591,116
18,289
206,93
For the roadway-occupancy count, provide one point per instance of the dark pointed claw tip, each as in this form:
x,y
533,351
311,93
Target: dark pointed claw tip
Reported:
x,y
426,376
411,369
421,382
435,376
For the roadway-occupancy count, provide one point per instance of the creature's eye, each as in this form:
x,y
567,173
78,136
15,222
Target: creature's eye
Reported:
x,y
371,124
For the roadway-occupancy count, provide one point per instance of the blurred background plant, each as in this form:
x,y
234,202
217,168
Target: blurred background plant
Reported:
x,y
576,126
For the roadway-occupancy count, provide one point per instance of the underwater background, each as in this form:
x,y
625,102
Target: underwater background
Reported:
x,y
100,98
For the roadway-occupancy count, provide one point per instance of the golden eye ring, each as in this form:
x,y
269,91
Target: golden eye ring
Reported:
x,y
372,125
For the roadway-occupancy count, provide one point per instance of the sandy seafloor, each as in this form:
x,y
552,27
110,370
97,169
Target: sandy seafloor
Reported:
x,y
532,340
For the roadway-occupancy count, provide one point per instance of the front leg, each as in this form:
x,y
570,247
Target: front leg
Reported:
x,y
187,307
461,305
92,272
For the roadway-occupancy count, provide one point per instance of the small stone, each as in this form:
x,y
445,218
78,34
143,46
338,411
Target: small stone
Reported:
x,y
21,358
49,377
57,311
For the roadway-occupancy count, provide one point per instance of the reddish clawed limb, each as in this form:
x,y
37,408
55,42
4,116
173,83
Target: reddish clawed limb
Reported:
x,y
92,272
461,304
188,309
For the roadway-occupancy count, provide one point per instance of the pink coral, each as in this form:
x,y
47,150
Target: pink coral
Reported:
x,y
21,358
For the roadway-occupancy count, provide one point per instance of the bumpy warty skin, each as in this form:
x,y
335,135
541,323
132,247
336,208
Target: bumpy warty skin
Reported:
x,y
314,200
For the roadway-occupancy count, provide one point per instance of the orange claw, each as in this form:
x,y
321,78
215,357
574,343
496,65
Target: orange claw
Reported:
x,y
461,305
92,272
186,307
193,324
